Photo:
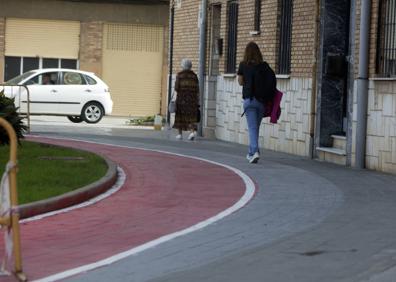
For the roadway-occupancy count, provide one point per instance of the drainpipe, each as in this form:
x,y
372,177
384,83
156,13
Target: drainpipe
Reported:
x,y
201,73
314,80
171,27
362,84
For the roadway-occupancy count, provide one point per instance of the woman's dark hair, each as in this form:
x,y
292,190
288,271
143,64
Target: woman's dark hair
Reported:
x,y
252,54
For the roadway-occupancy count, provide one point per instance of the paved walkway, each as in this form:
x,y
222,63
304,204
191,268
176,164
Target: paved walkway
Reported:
x,y
162,194
308,221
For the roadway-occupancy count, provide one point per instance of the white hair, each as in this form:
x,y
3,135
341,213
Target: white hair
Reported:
x,y
186,64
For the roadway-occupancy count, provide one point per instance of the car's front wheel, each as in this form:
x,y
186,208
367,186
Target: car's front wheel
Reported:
x,y
92,112
75,119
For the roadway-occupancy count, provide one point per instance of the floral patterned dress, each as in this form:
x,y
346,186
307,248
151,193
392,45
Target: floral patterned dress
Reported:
x,y
187,101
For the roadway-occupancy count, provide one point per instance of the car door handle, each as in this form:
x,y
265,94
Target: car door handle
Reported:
x,y
88,90
54,91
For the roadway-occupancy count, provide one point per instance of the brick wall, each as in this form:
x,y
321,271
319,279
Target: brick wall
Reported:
x,y
223,95
303,38
186,34
91,44
292,133
373,36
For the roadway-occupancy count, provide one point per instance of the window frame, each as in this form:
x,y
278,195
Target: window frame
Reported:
x,y
386,40
285,37
257,16
232,36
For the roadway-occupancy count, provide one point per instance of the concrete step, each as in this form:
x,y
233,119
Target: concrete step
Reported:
x,y
339,142
332,155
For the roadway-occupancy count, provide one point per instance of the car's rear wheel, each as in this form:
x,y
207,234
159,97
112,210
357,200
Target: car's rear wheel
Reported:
x,y
92,112
75,119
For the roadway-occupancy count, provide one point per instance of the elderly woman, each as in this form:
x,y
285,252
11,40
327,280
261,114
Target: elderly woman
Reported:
x,y
187,101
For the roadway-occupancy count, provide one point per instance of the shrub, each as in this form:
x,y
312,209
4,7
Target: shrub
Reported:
x,y
8,111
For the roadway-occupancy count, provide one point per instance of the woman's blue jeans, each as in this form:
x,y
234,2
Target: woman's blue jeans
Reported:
x,y
254,111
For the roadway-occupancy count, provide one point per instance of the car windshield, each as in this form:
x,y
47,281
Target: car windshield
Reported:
x,y
19,78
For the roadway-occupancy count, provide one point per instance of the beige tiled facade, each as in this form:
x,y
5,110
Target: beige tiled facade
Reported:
x,y
92,18
381,126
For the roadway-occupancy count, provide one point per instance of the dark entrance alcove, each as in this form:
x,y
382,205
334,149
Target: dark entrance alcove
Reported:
x,y
333,72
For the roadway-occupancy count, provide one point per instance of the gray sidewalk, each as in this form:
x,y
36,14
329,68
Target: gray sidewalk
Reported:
x,y
310,221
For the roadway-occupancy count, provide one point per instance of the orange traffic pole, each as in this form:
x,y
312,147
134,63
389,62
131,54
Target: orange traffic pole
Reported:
x,y
13,221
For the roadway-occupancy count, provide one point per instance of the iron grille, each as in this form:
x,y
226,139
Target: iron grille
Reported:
x,y
386,50
285,37
232,36
257,15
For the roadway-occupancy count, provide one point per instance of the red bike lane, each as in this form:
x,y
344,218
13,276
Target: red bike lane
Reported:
x,y
162,194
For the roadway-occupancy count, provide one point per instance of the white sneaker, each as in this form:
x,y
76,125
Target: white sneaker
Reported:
x,y
179,137
191,136
253,159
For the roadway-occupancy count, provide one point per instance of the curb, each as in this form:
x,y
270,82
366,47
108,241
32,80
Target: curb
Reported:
x,y
74,197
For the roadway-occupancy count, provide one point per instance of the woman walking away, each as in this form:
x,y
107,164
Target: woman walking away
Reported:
x,y
187,89
258,87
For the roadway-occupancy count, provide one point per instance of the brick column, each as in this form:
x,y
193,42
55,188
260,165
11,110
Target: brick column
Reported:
x,y
91,42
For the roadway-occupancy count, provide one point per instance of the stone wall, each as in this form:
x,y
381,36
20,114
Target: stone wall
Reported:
x,y
381,126
290,134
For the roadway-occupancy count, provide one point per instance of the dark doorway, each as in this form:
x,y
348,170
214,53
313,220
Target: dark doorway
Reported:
x,y
333,78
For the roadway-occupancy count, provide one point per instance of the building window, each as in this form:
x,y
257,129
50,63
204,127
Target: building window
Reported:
x,y
386,51
232,36
15,66
284,55
257,15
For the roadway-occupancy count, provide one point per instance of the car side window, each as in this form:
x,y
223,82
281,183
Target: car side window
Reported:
x,y
33,80
90,80
73,78
47,78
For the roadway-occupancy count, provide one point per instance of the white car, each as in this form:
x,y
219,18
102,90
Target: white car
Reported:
x,y
79,95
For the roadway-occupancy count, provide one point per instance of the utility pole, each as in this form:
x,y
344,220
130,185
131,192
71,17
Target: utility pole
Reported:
x,y
171,27
201,73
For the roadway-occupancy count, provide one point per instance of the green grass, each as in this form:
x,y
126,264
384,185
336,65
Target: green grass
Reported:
x,y
45,171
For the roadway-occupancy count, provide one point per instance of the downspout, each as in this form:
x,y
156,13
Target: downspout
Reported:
x,y
171,27
314,80
201,73
362,84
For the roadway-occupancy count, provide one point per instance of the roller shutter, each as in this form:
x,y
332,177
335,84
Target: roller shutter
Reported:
x,y
42,38
132,67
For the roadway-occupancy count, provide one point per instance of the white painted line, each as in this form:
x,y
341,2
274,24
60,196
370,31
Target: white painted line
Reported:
x,y
248,195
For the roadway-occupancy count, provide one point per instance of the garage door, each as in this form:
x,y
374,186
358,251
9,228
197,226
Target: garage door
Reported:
x,y
42,38
132,67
